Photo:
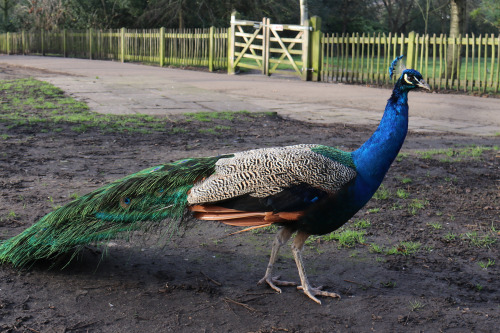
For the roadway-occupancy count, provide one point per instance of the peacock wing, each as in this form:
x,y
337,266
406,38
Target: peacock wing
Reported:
x,y
284,179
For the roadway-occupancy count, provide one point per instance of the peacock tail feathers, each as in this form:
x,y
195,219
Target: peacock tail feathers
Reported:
x,y
125,205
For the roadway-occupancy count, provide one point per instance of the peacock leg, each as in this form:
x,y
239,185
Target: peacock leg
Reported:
x,y
297,247
281,238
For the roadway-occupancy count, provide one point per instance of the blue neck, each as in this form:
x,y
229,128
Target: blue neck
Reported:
x,y
376,155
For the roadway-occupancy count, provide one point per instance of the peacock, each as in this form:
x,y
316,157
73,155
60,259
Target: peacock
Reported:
x,y
307,189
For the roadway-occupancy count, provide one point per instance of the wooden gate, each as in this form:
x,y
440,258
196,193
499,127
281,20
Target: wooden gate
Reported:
x,y
270,48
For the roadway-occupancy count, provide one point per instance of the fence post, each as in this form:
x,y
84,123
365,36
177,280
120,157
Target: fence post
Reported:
x,y
162,46
65,47
305,53
266,32
42,38
8,42
122,44
211,44
90,43
315,47
23,41
230,43
410,53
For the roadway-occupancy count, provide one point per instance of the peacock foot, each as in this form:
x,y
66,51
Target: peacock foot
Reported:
x,y
273,281
312,292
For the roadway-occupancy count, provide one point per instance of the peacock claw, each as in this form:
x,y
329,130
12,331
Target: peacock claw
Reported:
x,y
312,292
273,281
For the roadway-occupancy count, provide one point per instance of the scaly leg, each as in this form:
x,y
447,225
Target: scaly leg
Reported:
x,y
281,238
297,247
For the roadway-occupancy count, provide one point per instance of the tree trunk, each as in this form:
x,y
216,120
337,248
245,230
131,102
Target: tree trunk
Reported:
x,y
303,12
457,27
181,18
7,4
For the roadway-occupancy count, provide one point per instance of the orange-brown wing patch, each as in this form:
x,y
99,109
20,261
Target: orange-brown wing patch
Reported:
x,y
242,218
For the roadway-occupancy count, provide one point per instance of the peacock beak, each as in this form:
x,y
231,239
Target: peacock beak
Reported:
x,y
423,84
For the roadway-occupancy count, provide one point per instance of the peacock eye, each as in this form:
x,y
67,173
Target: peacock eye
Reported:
x,y
125,202
410,79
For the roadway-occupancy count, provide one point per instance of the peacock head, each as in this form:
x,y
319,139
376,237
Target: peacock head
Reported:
x,y
409,79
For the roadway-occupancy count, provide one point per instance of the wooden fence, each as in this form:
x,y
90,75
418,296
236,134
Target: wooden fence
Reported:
x,y
364,59
350,58
188,47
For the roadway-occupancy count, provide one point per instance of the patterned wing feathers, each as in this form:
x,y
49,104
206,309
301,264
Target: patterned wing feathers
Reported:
x,y
266,172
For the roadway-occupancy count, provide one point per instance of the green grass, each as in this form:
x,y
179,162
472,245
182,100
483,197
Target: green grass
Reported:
x,y
477,240
402,194
454,154
401,156
29,102
415,305
450,237
415,205
375,248
486,264
346,238
211,116
388,284
406,180
402,248
382,193
435,225
74,196
361,224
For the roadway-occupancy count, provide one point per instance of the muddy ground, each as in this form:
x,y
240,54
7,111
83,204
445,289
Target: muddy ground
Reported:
x,y
203,281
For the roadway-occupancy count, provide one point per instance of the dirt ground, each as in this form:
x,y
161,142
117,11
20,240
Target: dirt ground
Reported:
x,y
204,281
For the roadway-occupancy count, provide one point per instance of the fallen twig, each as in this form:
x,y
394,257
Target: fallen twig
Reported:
x,y
249,308
31,329
212,280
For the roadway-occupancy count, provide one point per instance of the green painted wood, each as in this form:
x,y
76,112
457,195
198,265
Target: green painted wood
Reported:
x,y
122,44
162,46
315,47
211,49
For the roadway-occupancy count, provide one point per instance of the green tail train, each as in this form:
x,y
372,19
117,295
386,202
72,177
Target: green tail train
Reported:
x,y
127,204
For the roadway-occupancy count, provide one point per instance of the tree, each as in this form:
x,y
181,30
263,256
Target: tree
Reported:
x,y
6,7
347,15
488,12
429,8
42,14
398,14
458,9
303,12
100,14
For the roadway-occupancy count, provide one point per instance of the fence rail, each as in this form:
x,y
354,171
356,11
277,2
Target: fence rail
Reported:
x,y
187,47
350,58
